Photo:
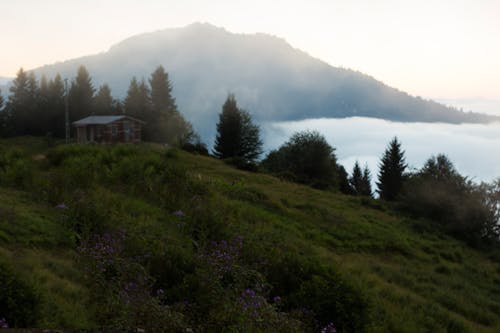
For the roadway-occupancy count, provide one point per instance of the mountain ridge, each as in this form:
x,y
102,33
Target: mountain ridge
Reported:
x,y
270,78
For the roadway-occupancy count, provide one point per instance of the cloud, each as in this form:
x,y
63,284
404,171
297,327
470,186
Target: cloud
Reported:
x,y
473,148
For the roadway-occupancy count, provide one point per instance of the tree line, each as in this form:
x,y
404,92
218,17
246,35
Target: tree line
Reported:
x,y
37,107
437,191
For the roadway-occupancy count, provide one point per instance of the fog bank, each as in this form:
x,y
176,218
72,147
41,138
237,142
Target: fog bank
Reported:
x,y
473,148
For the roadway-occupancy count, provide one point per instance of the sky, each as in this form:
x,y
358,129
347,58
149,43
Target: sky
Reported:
x,y
445,49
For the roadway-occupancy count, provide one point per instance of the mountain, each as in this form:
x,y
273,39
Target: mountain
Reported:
x,y
270,78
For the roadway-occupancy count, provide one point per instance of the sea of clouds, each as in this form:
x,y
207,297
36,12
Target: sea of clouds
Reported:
x,y
473,148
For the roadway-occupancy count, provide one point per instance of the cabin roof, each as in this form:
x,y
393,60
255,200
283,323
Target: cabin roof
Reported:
x,y
102,120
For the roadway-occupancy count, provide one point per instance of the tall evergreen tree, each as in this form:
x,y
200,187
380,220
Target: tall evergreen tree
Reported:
x,y
237,136
137,104
1,100
43,113
56,95
164,123
343,180
356,179
104,104
163,104
392,171
360,180
366,182
81,95
19,104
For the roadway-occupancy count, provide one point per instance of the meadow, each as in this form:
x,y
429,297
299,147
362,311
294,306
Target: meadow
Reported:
x,y
94,236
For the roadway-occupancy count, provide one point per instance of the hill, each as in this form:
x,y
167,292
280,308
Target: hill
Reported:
x,y
281,252
270,78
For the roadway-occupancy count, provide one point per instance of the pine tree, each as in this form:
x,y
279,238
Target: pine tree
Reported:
x,y
81,95
1,100
366,182
137,104
56,96
392,171
165,123
163,104
356,179
43,113
343,180
104,104
237,136
18,105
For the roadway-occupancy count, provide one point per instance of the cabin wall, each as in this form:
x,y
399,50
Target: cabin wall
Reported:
x,y
120,131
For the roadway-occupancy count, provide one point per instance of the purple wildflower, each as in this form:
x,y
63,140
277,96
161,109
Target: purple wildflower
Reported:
x,y
223,255
276,299
251,302
179,213
62,206
3,323
330,328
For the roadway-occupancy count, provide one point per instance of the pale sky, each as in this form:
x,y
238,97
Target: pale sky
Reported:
x,y
435,49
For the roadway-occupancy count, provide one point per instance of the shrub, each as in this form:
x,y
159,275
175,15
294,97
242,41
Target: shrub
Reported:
x,y
19,301
308,157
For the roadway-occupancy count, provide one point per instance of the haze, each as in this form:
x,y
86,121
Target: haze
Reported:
x,y
437,50
473,148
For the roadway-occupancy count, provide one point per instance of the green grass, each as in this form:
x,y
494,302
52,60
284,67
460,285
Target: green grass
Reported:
x,y
417,280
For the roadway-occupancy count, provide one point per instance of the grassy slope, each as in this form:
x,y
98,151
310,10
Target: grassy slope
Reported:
x,y
417,280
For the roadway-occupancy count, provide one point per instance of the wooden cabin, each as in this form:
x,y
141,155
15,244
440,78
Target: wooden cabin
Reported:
x,y
108,129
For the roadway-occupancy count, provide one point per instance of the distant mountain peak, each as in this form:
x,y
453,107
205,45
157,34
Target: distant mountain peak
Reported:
x,y
270,78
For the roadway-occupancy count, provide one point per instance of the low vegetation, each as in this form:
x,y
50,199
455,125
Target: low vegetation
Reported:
x,y
139,236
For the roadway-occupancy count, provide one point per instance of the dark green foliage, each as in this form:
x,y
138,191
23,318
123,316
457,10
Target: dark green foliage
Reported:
x,y
19,301
360,181
156,106
21,103
366,188
164,123
137,104
459,207
81,95
343,180
16,169
307,157
330,297
237,136
104,104
392,172
1,100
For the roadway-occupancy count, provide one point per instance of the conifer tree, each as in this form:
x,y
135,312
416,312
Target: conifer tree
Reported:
x,y
366,182
1,100
163,104
237,136
343,180
356,179
81,95
137,104
392,171
55,107
164,123
18,105
104,104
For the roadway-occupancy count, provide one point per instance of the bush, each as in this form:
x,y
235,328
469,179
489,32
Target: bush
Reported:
x,y
15,169
455,204
330,297
308,157
19,301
